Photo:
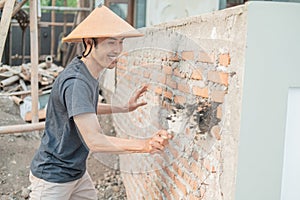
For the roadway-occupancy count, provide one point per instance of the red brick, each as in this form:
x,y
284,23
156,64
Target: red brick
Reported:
x,y
174,193
180,185
120,72
179,99
119,66
215,132
174,151
224,59
197,170
207,165
170,174
202,191
202,92
158,90
184,162
147,74
158,184
218,96
206,57
219,112
213,169
187,55
174,57
166,105
196,74
187,130
137,71
122,60
191,196
194,184
124,54
161,78
187,178
167,194
183,88
218,77
177,169
167,69
195,155
171,83
168,94
178,73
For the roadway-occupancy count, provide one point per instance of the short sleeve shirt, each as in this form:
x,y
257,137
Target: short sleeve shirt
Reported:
x,y
62,154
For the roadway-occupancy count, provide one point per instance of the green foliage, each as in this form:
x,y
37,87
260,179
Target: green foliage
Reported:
x,y
70,3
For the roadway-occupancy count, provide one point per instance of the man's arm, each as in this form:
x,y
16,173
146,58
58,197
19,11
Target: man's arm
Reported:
x,y
132,104
104,108
90,130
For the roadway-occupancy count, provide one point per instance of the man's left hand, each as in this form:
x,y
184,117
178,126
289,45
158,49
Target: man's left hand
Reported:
x,y
132,103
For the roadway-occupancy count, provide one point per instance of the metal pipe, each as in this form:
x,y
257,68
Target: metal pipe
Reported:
x,y
9,81
21,128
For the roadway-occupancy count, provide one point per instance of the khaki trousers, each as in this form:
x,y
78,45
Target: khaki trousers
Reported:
x,y
81,189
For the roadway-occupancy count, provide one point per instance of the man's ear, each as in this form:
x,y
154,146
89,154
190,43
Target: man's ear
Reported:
x,y
88,45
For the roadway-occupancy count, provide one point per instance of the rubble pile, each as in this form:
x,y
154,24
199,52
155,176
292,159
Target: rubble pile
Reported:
x,y
17,78
15,81
111,186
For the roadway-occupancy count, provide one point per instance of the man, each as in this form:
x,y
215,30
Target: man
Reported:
x,y
58,169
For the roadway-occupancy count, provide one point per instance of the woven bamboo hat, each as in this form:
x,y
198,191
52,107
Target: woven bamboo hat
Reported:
x,y
102,22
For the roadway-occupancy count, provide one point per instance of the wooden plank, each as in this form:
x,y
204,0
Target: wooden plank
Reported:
x,y
5,22
41,114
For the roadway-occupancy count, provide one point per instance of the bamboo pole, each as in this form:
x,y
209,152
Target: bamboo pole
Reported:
x,y
65,19
46,24
5,23
2,2
18,7
62,8
34,59
21,128
52,30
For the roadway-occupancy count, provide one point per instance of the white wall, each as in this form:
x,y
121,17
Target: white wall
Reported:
x,y
159,11
291,166
271,68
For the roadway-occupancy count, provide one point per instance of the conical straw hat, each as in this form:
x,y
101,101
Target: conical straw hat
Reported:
x,y
102,22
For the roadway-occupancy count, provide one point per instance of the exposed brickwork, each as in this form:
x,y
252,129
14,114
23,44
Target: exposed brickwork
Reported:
x,y
189,83
173,85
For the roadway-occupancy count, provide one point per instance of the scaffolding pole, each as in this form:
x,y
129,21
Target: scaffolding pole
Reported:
x,y
34,60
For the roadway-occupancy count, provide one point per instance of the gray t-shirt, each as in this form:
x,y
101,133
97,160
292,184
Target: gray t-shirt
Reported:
x,y
62,154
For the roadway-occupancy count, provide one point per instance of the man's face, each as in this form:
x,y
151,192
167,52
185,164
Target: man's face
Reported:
x,y
107,50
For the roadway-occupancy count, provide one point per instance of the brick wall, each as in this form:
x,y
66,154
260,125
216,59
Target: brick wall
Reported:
x,y
194,69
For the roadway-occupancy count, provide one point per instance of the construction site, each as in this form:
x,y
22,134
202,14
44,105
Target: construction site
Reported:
x,y
221,76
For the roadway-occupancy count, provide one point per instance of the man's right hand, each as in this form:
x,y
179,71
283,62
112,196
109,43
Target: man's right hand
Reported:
x,y
158,142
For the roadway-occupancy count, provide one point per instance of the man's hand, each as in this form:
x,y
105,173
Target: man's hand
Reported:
x,y
158,142
132,103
